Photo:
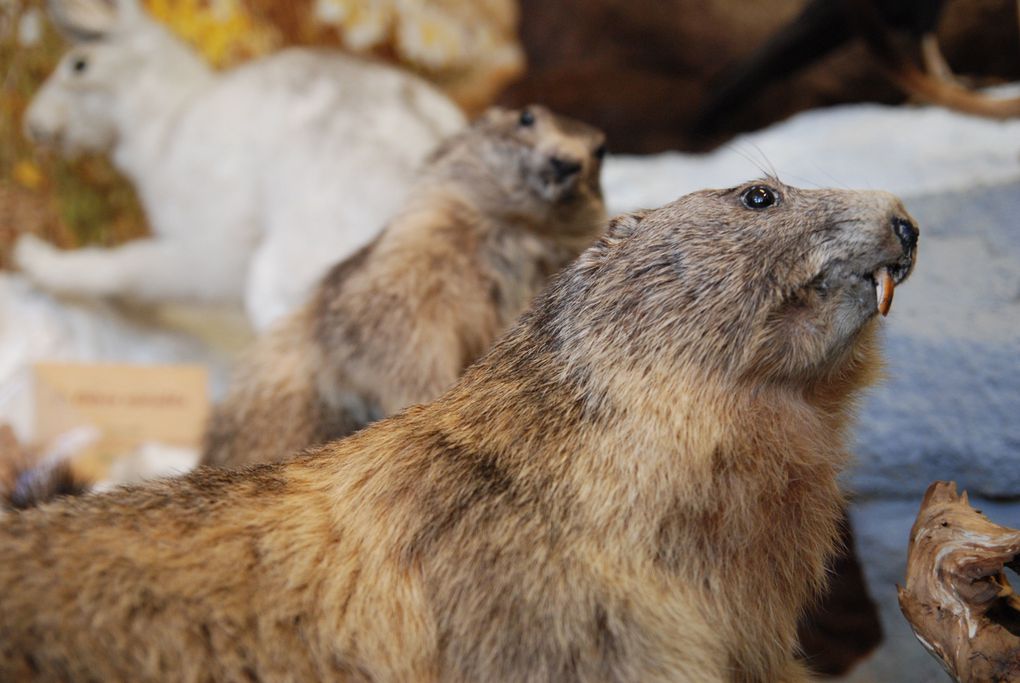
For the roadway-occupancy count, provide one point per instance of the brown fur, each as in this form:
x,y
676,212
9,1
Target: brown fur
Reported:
x,y
397,323
637,483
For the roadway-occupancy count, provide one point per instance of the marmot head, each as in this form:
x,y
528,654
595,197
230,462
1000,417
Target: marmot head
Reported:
x,y
763,282
530,166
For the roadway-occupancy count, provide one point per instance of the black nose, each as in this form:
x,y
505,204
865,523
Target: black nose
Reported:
x,y
907,232
564,168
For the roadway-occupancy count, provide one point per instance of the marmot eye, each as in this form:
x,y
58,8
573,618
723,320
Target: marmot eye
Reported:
x,y
600,152
527,118
79,64
759,197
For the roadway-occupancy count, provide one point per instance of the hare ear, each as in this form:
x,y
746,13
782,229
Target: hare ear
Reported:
x,y
85,20
128,12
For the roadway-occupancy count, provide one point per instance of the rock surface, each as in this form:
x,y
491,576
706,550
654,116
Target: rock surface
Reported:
x,y
950,405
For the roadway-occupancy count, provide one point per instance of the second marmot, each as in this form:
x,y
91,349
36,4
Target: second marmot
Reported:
x,y
497,210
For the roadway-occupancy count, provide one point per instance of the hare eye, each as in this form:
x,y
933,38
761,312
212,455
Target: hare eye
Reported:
x,y
527,118
79,65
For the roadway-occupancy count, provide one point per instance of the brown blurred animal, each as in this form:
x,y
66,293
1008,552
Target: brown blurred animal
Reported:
x,y
495,212
825,25
643,70
637,483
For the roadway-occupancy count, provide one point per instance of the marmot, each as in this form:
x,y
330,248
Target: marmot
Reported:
x,y
496,211
636,483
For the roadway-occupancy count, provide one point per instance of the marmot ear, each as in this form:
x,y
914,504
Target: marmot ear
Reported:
x,y
489,115
619,228
624,225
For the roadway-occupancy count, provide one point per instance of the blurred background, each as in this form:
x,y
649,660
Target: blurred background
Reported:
x,y
691,93
640,69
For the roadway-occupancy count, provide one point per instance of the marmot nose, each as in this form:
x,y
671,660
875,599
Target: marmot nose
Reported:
x,y
907,232
564,168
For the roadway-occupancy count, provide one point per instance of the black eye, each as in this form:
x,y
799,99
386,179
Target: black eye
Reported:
x,y
600,152
79,64
527,118
758,197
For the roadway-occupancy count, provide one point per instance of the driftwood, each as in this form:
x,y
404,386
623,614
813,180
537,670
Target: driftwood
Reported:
x,y
957,598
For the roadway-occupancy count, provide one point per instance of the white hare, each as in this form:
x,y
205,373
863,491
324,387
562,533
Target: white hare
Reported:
x,y
254,181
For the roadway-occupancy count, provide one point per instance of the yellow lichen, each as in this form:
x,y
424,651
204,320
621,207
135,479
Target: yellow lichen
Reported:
x,y
222,30
28,175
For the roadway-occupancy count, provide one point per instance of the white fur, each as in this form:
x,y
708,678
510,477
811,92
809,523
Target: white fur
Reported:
x,y
254,181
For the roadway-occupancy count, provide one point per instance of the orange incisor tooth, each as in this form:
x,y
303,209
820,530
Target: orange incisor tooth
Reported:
x,y
884,285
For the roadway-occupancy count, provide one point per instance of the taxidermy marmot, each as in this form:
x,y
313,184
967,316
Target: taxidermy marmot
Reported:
x,y
495,212
636,483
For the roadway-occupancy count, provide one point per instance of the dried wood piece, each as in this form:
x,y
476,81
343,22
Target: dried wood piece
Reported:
x,y
957,598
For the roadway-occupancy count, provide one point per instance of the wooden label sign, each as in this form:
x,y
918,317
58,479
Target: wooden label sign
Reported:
x,y
122,406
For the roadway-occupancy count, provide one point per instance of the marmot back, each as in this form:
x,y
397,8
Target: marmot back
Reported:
x,y
497,209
